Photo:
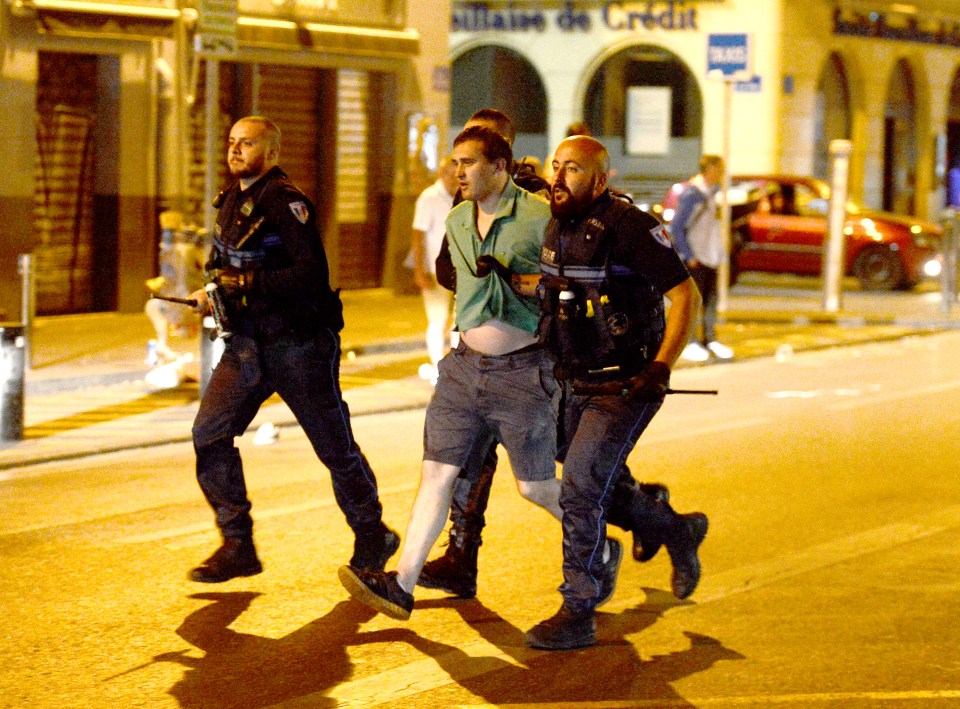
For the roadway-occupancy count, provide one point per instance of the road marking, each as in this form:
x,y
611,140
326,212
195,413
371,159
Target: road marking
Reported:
x,y
706,430
938,388
480,657
269,513
762,700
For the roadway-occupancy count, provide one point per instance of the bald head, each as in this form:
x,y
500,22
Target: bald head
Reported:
x,y
587,151
580,168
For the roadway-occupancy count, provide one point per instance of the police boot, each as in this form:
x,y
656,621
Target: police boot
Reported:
x,y
456,571
372,549
236,557
656,524
646,540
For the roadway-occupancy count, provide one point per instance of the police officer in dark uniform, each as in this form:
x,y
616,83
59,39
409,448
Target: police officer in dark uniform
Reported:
x,y
606,269
270,271
456,570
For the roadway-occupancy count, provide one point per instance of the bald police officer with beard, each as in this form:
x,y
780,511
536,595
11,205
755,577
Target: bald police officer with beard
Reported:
x,y
606,267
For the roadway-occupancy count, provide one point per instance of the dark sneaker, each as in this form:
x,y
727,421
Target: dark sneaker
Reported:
x,y
645,544
455,572
566,630
378,589
236,557
682,546
611,567
372,551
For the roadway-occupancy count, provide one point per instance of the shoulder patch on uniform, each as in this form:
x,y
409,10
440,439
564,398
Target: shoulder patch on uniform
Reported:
x,y
659,233
300,211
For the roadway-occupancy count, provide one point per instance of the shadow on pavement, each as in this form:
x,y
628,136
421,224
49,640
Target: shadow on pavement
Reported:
x,y
241,670
611,671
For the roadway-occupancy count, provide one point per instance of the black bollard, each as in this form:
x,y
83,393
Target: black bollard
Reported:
x,y
12,362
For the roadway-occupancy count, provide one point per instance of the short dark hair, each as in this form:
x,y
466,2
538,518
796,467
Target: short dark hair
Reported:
x,y
499,120
495,146
709,161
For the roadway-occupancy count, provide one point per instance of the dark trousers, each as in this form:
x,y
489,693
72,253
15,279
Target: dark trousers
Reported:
x,y
600,433
306,375
706,280
471,492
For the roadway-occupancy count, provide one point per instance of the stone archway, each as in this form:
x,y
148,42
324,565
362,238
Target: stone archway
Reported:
x,y
953,142
833,118
646,176
899,141
493,76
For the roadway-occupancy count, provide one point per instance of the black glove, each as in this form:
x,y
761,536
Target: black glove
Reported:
x,y
487,264
234,281
650,385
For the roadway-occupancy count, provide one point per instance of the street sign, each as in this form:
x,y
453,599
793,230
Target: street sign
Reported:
x,y
216,27
729,55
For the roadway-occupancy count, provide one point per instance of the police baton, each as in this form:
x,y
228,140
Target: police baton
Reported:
x,y
619,389
170,299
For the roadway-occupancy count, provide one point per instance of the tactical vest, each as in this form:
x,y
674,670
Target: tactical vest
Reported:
x,y
245,239
613,322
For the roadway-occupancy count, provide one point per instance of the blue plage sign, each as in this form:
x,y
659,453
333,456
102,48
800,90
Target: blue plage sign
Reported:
x,y
728,54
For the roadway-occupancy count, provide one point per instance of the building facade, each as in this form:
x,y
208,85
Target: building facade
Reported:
x,y
883,75
118,111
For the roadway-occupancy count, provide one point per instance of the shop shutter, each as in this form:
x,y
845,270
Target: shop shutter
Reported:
x,y
63,202
360,250
290,96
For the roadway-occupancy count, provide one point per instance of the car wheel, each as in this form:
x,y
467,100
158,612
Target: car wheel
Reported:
x,y
878,268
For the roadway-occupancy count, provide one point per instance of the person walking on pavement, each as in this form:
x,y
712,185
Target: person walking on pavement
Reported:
x,y
697,237
455,571
429,227
269,265
607,267
498,383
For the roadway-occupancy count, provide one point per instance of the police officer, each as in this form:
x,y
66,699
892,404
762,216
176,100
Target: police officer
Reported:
x,y
269,266
456,570
606,269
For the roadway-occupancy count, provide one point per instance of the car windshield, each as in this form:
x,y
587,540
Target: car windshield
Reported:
x,y
810,198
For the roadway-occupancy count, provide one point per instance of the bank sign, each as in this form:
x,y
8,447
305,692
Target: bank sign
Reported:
x,y
614,15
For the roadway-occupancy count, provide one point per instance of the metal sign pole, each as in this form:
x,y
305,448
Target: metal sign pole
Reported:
x,y
723,271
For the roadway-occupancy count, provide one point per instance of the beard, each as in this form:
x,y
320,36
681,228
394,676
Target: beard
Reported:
x,y
571,206
247,169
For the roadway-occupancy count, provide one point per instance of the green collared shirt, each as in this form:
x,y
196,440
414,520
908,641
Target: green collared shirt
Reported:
x,y
514,239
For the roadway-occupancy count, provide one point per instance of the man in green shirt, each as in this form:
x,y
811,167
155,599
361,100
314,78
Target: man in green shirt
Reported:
x,y
498,384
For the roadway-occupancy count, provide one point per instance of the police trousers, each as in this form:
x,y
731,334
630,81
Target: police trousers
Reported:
x,y
306,375
599,433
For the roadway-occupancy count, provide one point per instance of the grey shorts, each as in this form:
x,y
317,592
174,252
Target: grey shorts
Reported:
x,y
510,398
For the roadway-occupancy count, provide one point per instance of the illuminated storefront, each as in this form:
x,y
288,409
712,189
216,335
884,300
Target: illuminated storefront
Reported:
x,y
884,75
119,111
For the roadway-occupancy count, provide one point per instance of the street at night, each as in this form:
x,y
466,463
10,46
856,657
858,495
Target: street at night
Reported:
x,y
829,568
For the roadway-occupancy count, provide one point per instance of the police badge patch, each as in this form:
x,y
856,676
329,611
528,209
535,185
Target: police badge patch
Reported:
x,y
300,211
660,234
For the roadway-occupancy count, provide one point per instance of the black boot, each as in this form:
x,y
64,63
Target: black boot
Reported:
x,y
567,629
236,557
682,544
371,550
656,524
646,541
456,571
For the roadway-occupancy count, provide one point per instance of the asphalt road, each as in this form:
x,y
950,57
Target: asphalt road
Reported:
x,y
830,569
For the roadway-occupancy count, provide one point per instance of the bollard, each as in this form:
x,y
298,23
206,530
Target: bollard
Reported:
x,y
11,381
950,245
211,350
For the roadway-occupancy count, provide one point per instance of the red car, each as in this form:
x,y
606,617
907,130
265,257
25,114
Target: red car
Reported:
x,y
779,224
